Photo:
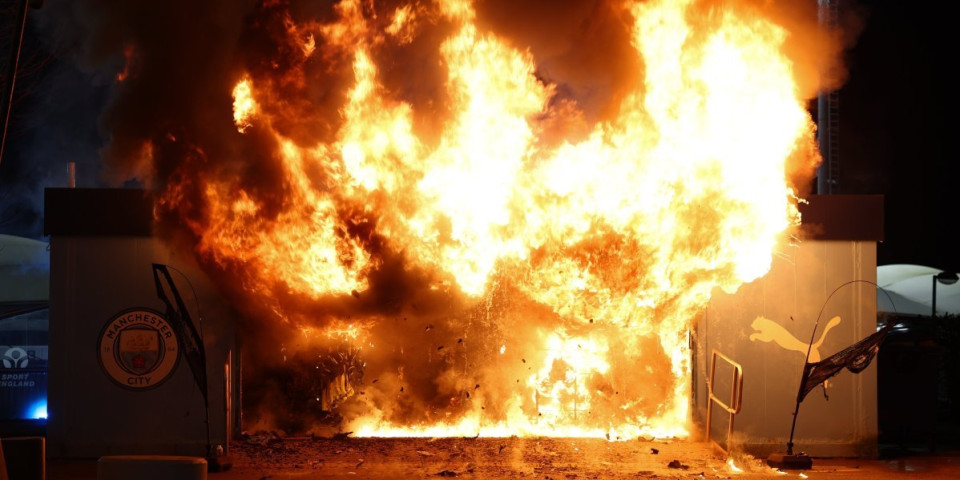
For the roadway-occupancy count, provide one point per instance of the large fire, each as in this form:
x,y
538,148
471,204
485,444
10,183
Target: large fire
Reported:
x,y
501,255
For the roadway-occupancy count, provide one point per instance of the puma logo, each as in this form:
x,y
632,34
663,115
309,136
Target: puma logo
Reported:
x,y
766,330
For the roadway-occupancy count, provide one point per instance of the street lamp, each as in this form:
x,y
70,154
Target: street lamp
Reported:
x,y
946,278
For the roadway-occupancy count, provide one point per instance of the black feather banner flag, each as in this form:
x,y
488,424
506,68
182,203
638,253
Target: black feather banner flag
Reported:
x,y
854,358
179,318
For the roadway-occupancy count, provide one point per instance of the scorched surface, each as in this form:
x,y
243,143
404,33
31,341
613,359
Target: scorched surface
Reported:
x,y
483,458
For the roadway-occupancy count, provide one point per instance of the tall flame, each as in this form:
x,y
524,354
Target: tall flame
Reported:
x,y
561,254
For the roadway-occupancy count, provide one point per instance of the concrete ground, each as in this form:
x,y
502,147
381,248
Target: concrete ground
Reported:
x,y
528,458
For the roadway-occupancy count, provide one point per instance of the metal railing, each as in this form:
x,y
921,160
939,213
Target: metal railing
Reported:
x,y
736,394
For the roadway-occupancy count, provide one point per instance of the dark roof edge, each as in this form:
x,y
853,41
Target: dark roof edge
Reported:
x,y
842,217
97,212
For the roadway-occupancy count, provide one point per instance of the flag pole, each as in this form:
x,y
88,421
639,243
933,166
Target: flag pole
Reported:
x,y
796,410
196,358
799,461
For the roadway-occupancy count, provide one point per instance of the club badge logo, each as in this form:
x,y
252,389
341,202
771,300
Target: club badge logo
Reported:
x,y
138,349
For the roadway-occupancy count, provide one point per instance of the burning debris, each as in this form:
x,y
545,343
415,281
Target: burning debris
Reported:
x,y
315,381
445,194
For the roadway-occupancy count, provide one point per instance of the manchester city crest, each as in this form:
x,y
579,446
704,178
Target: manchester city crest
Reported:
x,y
138,349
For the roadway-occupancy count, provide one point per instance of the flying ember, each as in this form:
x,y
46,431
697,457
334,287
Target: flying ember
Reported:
x,y
462,225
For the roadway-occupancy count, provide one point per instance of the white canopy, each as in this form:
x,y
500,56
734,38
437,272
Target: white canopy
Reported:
x,y
910,289
24,269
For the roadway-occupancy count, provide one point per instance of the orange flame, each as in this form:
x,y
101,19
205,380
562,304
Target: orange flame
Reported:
x,y
244,107
583,259
129,59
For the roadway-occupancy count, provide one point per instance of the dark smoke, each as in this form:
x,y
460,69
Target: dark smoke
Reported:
x,y
53,120
582,45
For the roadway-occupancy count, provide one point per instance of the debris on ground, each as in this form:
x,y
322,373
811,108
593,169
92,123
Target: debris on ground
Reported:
x,y
263,438
467,457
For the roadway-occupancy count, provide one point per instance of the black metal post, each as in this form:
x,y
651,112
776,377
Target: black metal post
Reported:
x,y
933,307
796,409
12,73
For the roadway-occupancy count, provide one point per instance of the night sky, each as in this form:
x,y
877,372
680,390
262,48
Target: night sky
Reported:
x,y
895,130
894,126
